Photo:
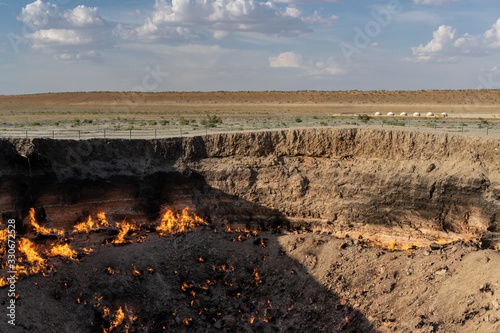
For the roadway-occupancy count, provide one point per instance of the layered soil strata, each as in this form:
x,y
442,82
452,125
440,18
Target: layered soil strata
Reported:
x,y
389,186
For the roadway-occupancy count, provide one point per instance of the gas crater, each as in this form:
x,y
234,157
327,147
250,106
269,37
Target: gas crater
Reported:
x,y
284,231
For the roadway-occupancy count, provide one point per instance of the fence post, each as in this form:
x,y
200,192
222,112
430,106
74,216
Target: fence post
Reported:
x,y
435,125
105,134
181,132
130,135
487,128
462,127
79,135
53,135
356,121
206,130
26,134
408,123
155,133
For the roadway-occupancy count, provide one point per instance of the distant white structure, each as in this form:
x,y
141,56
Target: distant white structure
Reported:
x,y
430,114
378,113
416,114
390,113
404,114
444,114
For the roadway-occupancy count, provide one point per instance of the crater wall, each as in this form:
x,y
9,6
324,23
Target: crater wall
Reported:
x,y
388,185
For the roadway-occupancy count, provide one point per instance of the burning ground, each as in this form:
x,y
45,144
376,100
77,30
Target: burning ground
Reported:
x,y
227,279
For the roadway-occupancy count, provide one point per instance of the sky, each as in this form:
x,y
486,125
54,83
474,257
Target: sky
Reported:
x,y
240,45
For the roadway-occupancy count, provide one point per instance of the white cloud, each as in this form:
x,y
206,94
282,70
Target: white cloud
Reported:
x,y
74,32
286,59
446,46
435,2
308,67
188,19
43,38
492,36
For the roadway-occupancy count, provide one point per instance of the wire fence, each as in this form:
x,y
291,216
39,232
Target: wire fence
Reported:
x,y
481,127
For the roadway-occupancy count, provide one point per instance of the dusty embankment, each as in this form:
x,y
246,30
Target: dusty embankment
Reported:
x,y
388,185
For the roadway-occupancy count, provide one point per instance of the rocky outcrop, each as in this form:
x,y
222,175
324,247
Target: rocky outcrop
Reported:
x,y
392,185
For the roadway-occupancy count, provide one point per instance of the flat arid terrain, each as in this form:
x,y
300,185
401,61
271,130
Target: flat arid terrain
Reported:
x,y
172,105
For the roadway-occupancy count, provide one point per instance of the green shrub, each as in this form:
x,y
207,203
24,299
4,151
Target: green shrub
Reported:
x,y
183,121
75,122
164,122
35,123
394,122
152,123
364,118
130,127
323,123
298,120
87,121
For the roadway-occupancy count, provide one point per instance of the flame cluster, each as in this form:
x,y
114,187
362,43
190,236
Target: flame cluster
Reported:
x,y
42,230
34,257
173,223
123,317
92,225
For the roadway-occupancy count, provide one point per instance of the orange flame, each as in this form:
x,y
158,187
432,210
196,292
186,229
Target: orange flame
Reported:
x,y
101,217
42,230
125,227
3,235
3,282
32,256
63,251
256,276
121,316
174,223
90,225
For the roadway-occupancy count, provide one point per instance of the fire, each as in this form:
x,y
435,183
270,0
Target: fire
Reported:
x,y
3,235
63,251
90,225
256,276
442,241
101,217
125,227
42,230
32,256
3,282
88,250
121,316
173,223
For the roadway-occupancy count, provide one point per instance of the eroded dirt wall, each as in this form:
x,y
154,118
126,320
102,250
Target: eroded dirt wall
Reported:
x,y
391,184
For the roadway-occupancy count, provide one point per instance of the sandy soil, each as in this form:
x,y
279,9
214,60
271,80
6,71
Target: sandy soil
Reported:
x,y
101,105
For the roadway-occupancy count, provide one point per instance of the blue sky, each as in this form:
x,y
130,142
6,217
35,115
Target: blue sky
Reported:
x,y
210,45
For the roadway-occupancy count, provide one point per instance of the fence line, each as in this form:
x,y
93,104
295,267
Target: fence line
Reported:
x,y
447,126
